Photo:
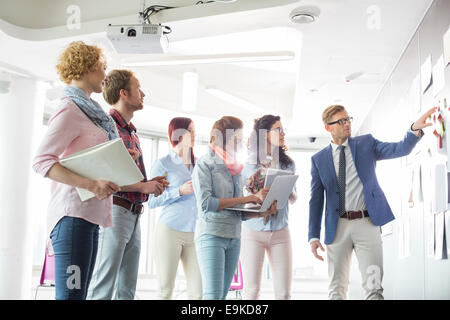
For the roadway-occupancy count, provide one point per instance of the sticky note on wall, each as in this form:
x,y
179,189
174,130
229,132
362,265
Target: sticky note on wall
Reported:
x,y
440,194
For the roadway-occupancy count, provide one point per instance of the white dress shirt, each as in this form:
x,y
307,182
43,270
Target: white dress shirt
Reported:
x,y
354,195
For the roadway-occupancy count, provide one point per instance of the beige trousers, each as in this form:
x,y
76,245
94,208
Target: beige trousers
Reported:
x,y
170,246
277,244
364,237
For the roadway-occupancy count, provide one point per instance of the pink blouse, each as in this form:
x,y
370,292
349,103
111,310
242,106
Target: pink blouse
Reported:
x,y
70,131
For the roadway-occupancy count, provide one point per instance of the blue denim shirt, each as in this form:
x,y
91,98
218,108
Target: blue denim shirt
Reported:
x,y
212,181
281,220
179,212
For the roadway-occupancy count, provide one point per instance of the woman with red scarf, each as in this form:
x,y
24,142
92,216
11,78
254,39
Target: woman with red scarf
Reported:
x,y
217,185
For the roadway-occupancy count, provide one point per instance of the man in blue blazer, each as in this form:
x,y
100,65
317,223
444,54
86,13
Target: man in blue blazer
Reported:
x,y
343,174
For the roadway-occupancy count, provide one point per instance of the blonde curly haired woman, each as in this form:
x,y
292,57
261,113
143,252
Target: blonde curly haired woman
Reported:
x,y
78,123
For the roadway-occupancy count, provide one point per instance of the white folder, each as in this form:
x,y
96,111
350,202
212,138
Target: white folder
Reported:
x,y
108,161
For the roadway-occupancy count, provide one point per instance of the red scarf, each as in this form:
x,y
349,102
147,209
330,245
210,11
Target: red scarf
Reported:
x,y
233,167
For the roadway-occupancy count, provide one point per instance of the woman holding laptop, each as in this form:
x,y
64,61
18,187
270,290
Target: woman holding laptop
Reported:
x,y
269,235
174,234
217,185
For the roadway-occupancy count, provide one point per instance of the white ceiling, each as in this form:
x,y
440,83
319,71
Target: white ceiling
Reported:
x,y
340,43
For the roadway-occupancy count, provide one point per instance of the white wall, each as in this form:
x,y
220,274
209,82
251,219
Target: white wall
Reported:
x,y
416,276
21,105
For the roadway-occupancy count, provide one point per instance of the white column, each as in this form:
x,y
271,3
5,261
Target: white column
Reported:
x,y
21,106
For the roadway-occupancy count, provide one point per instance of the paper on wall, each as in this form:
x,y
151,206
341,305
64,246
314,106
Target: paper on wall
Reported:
x,y
447,231
439,236
418,194
448,191
446,137
438,76
439,194
406,237
446,42
419,190
414,97
426,74
427,185
401,239
429,223
407,190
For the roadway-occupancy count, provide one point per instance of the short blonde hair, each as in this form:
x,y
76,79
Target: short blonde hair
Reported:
x,y
329,112
116,80
77,59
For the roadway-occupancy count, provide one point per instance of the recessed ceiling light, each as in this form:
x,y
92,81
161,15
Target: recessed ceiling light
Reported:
x,y
303,18
304,15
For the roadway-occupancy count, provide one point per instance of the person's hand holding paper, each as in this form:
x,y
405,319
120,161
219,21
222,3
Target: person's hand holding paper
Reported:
x,y
103,189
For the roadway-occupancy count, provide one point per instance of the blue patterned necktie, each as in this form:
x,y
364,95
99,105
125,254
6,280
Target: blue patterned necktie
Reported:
x,y
341,180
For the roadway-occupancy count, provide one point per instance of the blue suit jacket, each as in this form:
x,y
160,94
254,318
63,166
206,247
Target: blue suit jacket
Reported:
x,y
366,151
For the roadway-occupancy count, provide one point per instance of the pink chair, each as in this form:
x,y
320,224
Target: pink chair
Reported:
x,y
48,269
238,282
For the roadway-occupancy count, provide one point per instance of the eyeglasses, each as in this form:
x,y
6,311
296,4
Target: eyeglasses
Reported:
x,y
341,121
279,129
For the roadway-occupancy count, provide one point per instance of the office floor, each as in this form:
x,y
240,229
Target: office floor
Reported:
x,y
307,289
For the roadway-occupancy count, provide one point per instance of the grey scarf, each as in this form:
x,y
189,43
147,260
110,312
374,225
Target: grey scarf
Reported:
x,y
91,109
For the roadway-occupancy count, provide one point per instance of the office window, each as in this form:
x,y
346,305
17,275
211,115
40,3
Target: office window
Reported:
x,y
305,265
39,198
147,145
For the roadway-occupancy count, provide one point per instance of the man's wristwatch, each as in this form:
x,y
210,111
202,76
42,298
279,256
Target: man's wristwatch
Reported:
x,y
421,133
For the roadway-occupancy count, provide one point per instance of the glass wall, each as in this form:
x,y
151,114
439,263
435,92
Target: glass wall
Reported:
x,y
305,264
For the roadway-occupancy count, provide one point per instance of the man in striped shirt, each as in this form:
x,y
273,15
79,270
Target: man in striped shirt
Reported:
x,y
116,268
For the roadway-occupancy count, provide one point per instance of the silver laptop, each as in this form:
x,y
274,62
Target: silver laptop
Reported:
x,y
272,173
280,190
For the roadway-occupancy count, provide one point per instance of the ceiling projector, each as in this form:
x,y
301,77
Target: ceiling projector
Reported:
x,y
138,38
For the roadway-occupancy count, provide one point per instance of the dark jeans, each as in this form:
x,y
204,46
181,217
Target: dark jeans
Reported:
x,y
74,242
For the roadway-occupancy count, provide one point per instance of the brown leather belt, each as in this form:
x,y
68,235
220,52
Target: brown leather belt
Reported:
x,y
351,215
136,208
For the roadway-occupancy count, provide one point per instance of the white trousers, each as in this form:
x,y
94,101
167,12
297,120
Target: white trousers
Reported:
x,y
171,246
277,244
364,237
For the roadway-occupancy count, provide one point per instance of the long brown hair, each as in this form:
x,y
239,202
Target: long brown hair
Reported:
x,y
258,147
174,134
